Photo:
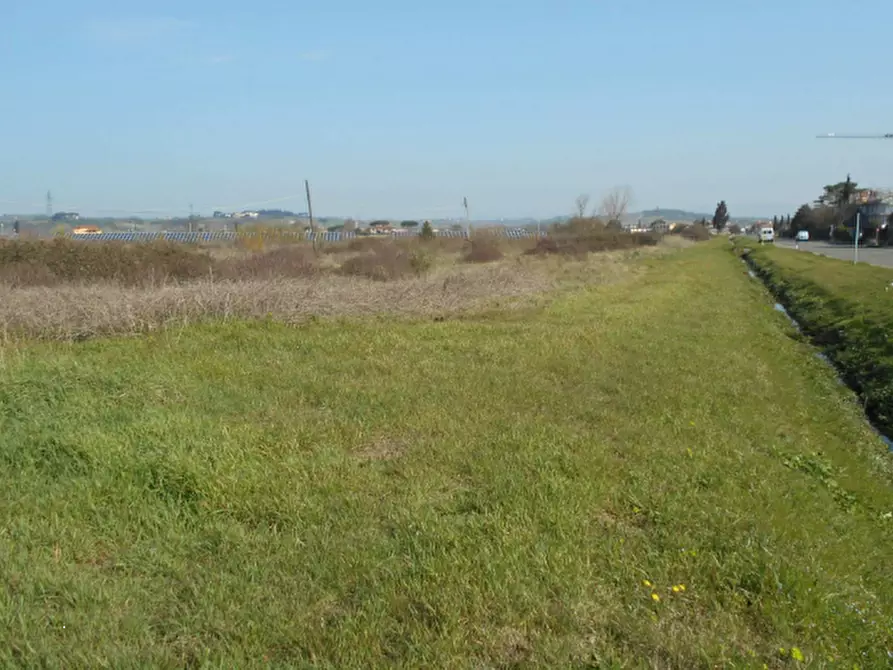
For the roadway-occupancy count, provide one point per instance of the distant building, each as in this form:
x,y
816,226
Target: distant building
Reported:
x,y
660,226
875,207
66,216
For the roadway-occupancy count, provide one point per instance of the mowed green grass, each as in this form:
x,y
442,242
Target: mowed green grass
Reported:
x,y
868,287
488,492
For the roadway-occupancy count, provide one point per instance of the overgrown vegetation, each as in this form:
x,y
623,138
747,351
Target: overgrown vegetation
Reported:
x,y
62,261
483,249
386,262
847,310
583,235
697,232
293,283
609,479
57,261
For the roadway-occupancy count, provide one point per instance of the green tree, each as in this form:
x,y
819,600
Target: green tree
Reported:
x,y
409,224
804,219
721,216
840,194
427,232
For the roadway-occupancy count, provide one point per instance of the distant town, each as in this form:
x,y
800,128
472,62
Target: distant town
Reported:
x,y
65,222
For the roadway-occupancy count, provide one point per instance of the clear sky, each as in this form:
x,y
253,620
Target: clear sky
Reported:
x,y
400,108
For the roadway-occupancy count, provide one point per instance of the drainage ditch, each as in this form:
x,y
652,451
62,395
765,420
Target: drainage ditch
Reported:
x,y
888,440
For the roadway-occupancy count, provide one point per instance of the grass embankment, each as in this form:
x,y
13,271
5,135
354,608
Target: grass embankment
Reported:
x,y
517,489
847,310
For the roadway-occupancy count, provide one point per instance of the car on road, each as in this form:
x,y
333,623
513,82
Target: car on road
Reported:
x,y
803,236
766,234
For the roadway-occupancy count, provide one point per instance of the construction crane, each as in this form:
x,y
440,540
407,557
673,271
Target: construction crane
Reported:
x,y
884,136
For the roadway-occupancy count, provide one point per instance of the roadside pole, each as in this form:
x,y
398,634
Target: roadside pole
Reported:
x,y
858,233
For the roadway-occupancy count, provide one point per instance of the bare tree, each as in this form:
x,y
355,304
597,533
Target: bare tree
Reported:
x,y
580,205
615,204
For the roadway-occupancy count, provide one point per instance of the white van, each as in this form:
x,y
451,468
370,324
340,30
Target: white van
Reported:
x,y
803,236
767,234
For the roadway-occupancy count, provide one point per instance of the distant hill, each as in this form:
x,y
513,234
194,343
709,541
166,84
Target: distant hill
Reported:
x,y
672,214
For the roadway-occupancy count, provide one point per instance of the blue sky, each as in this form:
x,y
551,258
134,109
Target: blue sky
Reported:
x,y
402,108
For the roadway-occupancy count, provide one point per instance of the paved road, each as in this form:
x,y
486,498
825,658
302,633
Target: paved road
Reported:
x,y
873,256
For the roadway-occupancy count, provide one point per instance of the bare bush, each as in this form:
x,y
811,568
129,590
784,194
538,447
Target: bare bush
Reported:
x,y
483,249
695,232
581,236
57,261
288,261
386,262
615,204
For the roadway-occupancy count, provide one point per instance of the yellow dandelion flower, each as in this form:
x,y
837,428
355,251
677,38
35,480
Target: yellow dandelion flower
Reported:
x,y
682,587
676,589
655,597
645,582
796,654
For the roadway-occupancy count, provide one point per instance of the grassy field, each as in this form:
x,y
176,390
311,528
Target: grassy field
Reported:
x,y
644,473
847,310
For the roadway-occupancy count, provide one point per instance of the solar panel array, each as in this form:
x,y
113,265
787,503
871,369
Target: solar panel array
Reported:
x,y
224,236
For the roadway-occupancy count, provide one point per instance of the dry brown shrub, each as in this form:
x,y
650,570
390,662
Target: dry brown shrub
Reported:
x,y
695,232
483,249
48,263
581,236
286,261
448,245
386,262
355,245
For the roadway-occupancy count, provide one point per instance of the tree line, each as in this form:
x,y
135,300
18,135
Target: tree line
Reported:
x,y
832,215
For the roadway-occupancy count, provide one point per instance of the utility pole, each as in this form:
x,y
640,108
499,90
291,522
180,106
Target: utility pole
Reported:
x,y
858,234
467,217
49,205
310,211
191,216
